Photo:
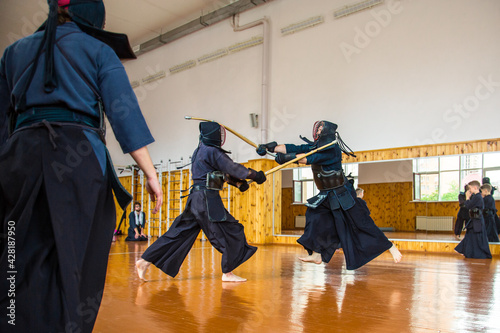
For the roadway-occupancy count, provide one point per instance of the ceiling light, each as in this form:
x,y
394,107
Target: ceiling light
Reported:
x,y
154,77
348,10
212,56
310,22
182,67
246,44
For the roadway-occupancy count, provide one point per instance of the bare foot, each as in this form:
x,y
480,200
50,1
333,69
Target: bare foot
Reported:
x,y
142,266
314,257
230,277
459,253
396,255
457,236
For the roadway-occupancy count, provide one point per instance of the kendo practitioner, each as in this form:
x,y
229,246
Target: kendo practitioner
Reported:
x,y
475,242
204,210
137,220
57,212
486,180
335,218
489,213
463,213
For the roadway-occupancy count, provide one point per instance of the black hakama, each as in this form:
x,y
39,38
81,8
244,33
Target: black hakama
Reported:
x,y
227,237
131,235
61,249
329,228
489,219
475,242
462,218
474,245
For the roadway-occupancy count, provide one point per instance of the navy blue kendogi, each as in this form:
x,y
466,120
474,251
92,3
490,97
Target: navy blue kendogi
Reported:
x,y
475,242
335,217
57,177
489,212
205,211
462,215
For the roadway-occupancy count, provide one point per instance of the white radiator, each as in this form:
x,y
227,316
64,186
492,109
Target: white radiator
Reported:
x,y
300,221
435,223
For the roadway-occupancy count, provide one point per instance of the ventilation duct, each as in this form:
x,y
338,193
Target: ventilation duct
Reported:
x,y
198,24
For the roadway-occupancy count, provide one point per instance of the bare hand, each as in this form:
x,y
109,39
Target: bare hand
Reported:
x,y
155,193
468,195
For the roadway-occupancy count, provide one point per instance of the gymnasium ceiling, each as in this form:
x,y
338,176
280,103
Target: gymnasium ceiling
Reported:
x,y
141,20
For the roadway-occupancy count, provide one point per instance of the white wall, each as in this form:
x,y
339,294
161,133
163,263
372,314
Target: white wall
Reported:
x,y
385,172
392,76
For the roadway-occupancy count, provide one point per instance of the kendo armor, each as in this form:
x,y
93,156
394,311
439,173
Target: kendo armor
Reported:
x,y
327,180
475,213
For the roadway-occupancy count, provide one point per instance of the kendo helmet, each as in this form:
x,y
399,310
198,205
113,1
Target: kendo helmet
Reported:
x,y
212,134
325,132
323,128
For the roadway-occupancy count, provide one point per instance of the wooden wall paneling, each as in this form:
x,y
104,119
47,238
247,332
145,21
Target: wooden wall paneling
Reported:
x,y
127,184
278,203
454,148
391,205
287,213
257,206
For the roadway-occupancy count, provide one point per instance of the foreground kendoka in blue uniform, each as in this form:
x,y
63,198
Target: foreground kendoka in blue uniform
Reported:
x,y
205,211
335,218
57,213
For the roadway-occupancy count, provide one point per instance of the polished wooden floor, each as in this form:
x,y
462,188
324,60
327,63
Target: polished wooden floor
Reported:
x,y
423,293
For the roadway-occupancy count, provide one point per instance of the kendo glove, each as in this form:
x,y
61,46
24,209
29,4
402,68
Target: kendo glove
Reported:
x,y
244,186
241,184
258,177
283,158
262,149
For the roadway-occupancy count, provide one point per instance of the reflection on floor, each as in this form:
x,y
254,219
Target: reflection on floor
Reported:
x,y
423,293
419,235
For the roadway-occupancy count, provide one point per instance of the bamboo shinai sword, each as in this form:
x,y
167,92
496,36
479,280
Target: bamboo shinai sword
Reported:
x,y
251,143
279,167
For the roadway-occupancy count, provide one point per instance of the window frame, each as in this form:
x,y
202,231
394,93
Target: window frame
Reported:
x,y
461,170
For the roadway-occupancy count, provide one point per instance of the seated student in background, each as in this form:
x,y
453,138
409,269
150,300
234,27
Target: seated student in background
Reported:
x,y
360,193
489,213
137,220
475,242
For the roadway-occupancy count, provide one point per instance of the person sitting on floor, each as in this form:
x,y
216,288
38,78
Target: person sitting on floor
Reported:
x,y
137,220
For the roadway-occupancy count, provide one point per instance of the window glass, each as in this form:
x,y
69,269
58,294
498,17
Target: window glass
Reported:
x,y
447,163
494,176
428,164
492,160
448,186
429,187
297,191
472,161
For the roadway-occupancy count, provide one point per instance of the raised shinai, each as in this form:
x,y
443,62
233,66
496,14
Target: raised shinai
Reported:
x,y
205,211
335,217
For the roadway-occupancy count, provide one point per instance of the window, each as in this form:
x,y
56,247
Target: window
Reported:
x,y
304,186
442,178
